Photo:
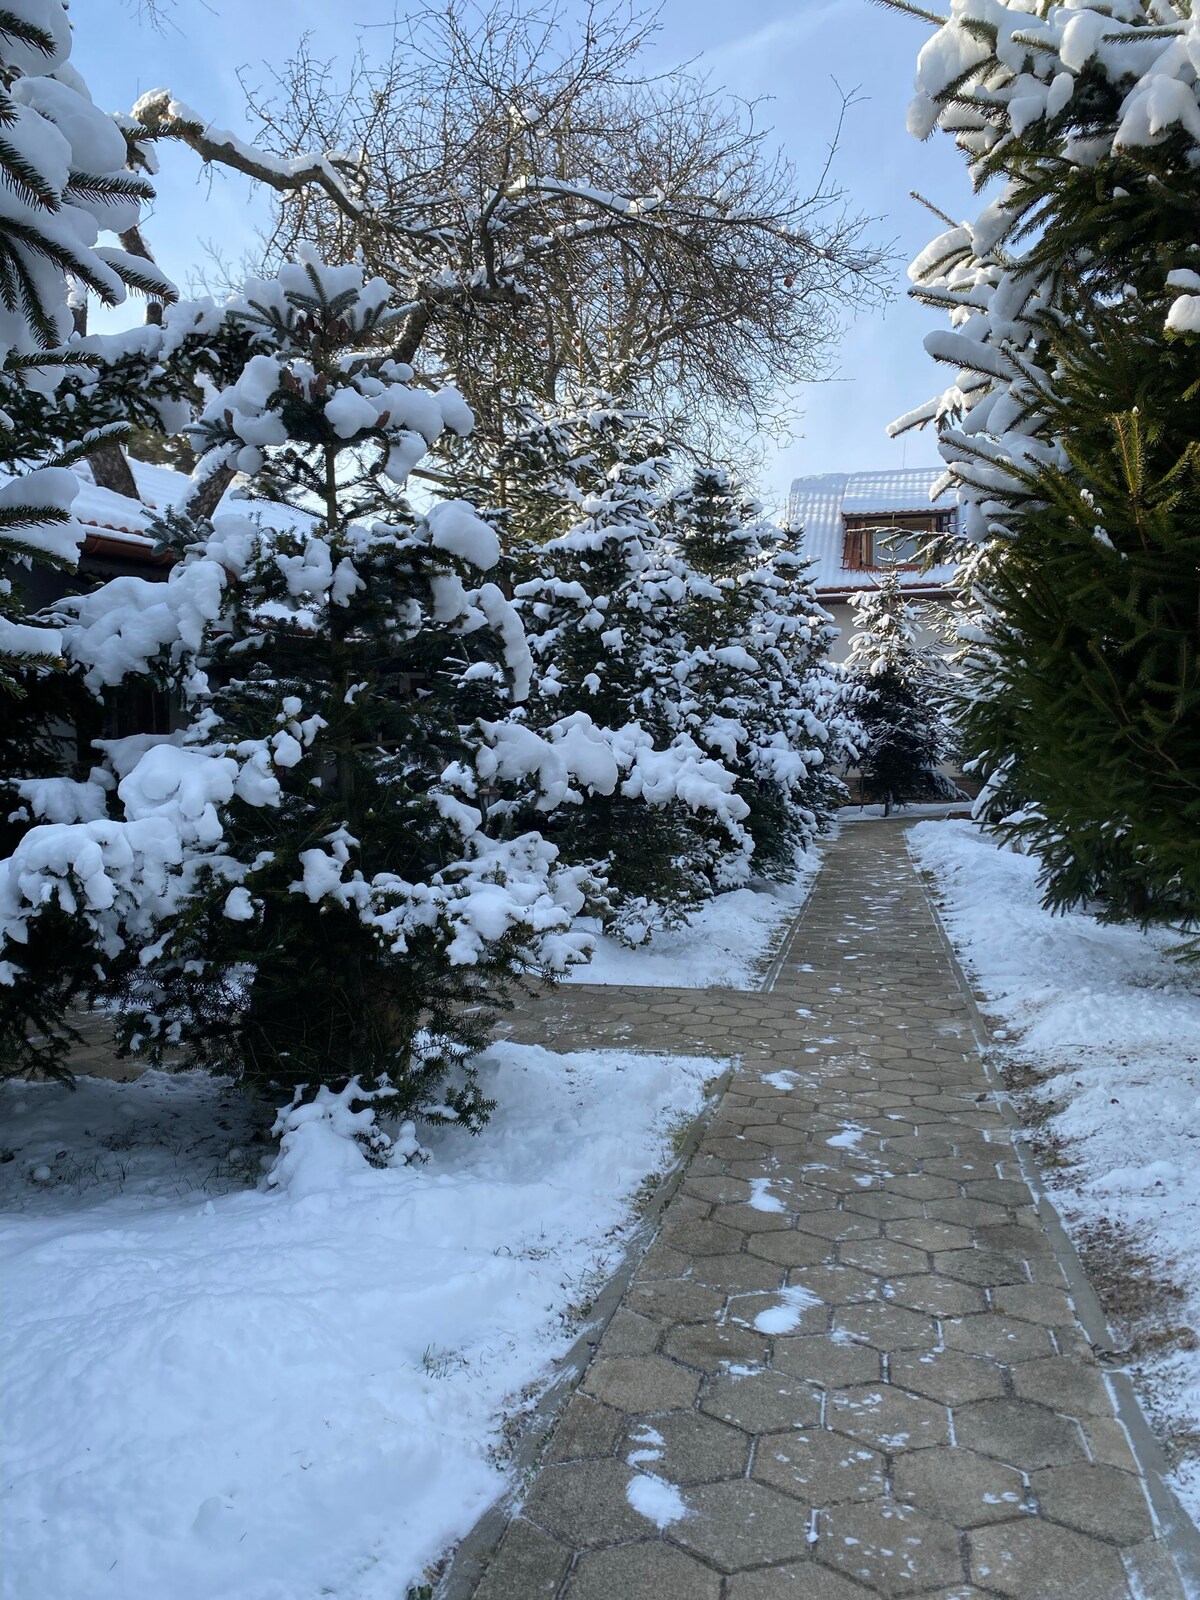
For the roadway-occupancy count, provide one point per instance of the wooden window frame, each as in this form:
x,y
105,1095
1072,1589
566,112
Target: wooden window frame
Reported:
x,y
862,529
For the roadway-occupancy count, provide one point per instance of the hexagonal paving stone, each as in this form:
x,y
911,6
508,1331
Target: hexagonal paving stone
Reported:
x,y
883,1257
966,1213
837,1180
751,1219
819,1467
792,1249
832,1363
1035,1560
697,1238
926,1235
1095,1499
660,1261
674,1301
836,1285
929,1291
1004,1191
585,1428
641,1383
1004,1339
686,1447
839,1225
964,1488
891,1548
1025,1435
584,1503
886,1327
712,1348
628,1334
736,1274
887,1417
717,1189
946,1375
1035,1302
529,1565
1065,1384
987,1268
887,1207
922,1186
762,1402
641,1572
742,1524
803,1316
793,1582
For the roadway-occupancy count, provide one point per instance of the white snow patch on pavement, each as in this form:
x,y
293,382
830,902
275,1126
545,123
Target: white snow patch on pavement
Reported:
x,y
655,1499
216,1390
847,1139
1112,1022
788,1314
725,944
761,1198
782,1080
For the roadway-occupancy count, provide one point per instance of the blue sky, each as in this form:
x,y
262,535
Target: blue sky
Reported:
x,y
792,50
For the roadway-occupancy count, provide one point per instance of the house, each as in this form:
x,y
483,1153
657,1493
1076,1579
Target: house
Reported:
x,y
854,526
117,543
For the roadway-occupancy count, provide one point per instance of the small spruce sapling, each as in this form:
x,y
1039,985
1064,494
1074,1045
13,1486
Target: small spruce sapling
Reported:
x,y
604,605
905,734
756,691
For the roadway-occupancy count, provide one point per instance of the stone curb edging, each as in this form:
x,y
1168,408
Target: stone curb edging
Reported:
x,y
475,1550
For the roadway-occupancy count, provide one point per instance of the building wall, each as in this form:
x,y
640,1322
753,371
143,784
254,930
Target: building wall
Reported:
x,y
843,615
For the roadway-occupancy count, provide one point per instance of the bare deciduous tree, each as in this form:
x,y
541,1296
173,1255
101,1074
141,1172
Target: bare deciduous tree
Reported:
x,y
553,215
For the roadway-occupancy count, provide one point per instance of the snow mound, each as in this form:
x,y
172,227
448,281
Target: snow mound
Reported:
x,y
273,1394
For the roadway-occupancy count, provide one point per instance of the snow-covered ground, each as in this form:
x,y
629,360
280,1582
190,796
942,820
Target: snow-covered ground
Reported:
x,y
1110,1025
214,1390
726,944
909,813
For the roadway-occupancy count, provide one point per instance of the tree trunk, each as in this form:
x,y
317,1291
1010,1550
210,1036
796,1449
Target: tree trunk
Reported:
x,y
112,471
206,497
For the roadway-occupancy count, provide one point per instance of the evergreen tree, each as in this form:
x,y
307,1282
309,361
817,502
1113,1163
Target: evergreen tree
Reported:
x,y
904,731
65,170
604,606
1070,430
338,894
755,689
1088,710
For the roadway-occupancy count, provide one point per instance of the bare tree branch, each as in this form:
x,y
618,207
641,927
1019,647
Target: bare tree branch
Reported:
x,y
552,214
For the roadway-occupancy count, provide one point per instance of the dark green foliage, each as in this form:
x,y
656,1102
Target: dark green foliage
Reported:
x,y
1092,710
899,703
331,935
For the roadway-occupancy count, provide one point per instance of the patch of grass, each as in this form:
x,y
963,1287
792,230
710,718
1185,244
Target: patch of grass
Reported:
x,y
1140,1300
441,1363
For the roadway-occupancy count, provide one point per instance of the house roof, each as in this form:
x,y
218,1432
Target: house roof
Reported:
x,y
120,523
817,505
118,527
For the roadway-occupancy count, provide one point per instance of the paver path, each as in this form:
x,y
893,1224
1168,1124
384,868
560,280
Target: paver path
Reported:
x,y
849,1364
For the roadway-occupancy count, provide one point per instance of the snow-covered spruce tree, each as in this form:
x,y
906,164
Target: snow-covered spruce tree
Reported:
x,y
339,904
603,606
66,180
1090,707
755,690
64,166
1089,117
905,734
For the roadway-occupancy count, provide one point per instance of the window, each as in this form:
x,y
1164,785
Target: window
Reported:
x,y
875,542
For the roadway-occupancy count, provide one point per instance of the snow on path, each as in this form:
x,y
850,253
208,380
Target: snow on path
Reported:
x,y
725,944
1113,1023
276,1396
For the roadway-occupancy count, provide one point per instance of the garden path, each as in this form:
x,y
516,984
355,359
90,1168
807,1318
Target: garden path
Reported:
x,y
859,1358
